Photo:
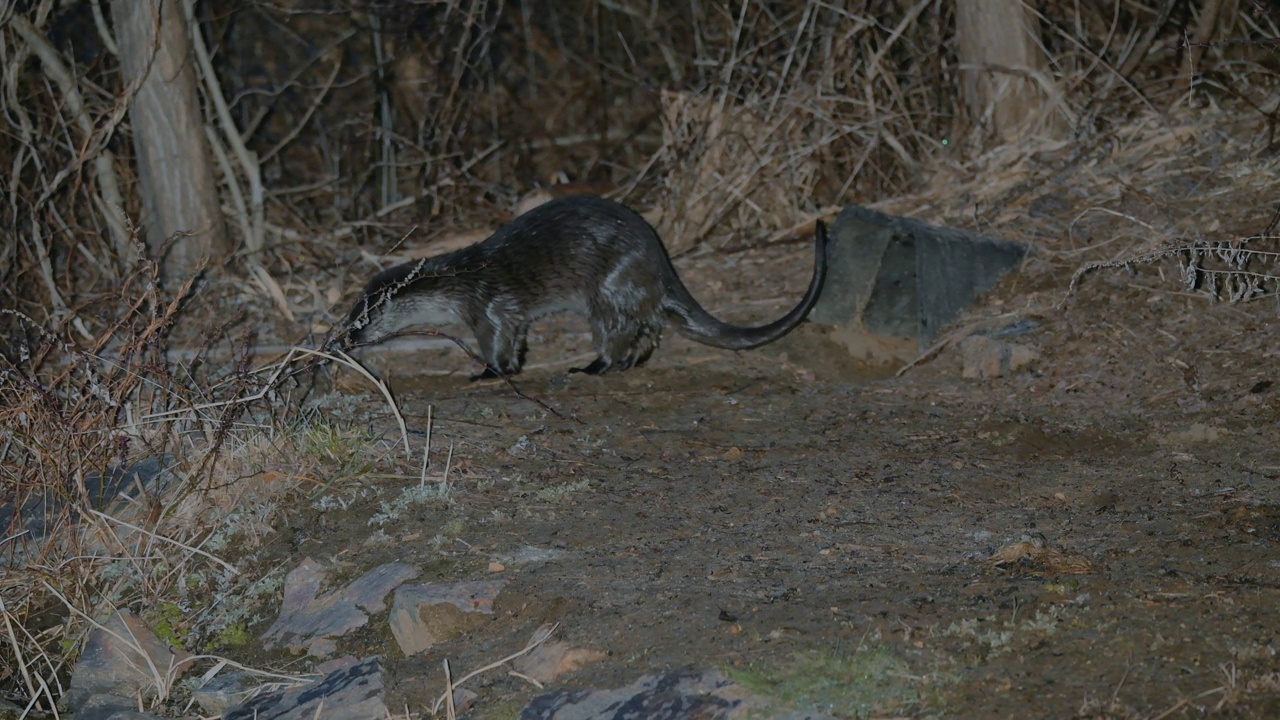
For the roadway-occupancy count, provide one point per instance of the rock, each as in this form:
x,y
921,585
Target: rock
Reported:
x,y
225,690
553,658
676,696
463,699
111,707
336,664
308,621
529,555
124,659
899,277
354,692
423,615
113,492
10,711
988,357
1197,434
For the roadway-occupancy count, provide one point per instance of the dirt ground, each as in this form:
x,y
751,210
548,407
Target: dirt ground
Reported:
x,y
832,535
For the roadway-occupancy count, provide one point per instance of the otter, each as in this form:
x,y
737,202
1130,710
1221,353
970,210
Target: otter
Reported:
x,y
582,254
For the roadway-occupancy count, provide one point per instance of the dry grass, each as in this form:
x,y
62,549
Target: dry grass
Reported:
x,y
128,474
737,122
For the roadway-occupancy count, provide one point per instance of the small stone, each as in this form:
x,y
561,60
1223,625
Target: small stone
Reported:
x,y
463,699
1196,434
553,658
986,357
125,659
529,555
423,615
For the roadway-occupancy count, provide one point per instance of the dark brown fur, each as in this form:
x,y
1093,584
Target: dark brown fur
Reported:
x,y
579,254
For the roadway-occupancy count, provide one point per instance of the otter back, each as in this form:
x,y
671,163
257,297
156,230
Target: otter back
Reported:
x,y
582,254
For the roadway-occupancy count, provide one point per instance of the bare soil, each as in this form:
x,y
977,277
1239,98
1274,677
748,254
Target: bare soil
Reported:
x,y
745,511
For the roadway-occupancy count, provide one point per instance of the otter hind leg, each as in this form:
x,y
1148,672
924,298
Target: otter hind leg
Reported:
x,y
626,320
622,346
598,366
642,346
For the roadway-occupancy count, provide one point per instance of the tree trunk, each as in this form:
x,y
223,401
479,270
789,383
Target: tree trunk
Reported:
x,y
179,189
1000,57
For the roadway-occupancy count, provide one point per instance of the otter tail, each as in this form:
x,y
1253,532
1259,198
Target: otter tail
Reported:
x,y
695,323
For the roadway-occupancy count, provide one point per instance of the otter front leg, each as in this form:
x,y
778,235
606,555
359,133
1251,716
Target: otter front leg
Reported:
x,y
503,344
605,338
488,374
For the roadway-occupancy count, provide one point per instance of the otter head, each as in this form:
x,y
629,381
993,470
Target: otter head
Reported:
x,y
395,299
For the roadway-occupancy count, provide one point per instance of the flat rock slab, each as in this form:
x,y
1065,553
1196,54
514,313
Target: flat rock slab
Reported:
x,y
676,696
900,277
309,621
123,658
423,615
354,692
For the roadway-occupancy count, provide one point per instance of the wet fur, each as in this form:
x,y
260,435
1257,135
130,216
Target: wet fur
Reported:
x,y
581,254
